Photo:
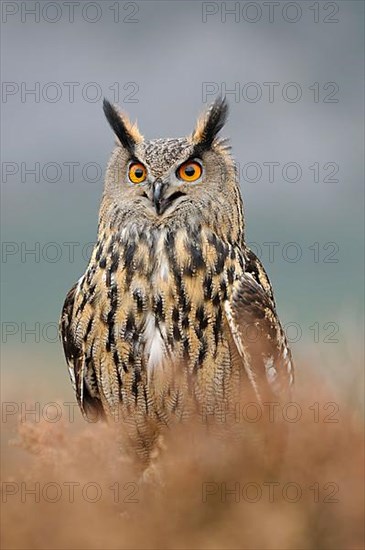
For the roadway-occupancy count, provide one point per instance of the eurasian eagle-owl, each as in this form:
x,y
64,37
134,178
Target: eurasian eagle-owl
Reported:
x,y
174,312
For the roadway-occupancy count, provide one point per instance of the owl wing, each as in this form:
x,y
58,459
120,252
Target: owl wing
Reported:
x,y
90,405
257,333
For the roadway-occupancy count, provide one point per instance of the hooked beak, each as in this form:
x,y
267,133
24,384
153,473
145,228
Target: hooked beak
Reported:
x,y
157,195
160,199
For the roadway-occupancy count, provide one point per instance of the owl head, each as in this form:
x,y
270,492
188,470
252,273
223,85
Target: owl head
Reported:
x,y
180,180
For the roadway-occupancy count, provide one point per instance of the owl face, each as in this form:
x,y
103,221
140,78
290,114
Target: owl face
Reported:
x,y
168,179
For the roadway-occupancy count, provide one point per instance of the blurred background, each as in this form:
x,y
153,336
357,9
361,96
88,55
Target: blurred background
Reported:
x,y
293,75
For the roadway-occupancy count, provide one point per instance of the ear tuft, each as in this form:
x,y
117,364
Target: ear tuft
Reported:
x,y
126,132
210,123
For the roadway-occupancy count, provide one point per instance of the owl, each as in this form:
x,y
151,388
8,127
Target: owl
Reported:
x,y
174,313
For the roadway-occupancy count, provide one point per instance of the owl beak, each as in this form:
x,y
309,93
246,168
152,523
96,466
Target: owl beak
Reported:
x,y
158,191
161,197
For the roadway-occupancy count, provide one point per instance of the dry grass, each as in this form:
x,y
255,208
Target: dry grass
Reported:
x,y
182,502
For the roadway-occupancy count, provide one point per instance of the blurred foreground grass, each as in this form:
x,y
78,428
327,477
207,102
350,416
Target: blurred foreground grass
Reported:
x,y
70,485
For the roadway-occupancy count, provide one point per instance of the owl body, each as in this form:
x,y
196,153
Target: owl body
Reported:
x,y
174,313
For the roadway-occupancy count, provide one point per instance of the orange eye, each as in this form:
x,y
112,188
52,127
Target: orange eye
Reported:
x,y
137,172
189,171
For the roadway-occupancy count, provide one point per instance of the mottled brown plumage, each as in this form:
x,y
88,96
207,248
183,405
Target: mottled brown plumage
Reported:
x,y
174,313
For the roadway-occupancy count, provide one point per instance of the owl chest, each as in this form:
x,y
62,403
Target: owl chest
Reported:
x,y
180,290
157,287
157,295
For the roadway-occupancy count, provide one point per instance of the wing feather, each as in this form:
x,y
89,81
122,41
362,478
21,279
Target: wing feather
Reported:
x,y
90,405
257,333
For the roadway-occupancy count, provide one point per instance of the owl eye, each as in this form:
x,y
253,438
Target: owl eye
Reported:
x,y
189,171
137,172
